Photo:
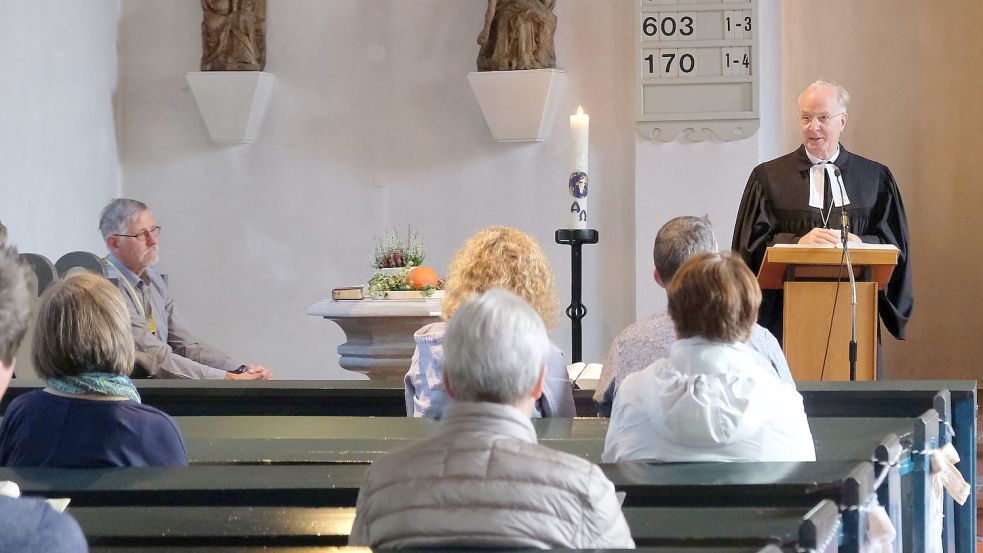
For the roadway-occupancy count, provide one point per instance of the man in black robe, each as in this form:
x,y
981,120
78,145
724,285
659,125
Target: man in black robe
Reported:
x,y
797,199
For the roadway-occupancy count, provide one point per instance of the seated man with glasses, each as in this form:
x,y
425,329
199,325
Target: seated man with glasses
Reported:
x,y
165,347
797,198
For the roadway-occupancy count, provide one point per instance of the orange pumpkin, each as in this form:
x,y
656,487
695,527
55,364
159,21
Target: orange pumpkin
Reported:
x,y
420,277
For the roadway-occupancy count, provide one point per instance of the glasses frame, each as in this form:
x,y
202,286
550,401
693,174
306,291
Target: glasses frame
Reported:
x,y
816,117
144,235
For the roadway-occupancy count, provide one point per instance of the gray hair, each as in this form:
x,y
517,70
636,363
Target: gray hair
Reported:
x,y
83,326
680,239
842,96
117,214
494,349
15,303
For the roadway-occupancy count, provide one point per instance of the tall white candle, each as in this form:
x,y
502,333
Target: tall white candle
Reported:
x,y
577,184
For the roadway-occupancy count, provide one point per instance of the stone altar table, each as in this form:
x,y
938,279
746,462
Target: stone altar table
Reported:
x,y
379,332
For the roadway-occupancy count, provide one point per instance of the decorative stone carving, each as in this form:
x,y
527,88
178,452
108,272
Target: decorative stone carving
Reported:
x,y
518,34
233,35
698,131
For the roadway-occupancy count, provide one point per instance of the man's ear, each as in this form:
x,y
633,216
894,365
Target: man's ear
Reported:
x,y
447,385
537,391
112,243
657,277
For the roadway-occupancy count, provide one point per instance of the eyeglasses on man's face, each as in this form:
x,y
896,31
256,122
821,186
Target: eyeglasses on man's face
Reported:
x,y
824,119
143,235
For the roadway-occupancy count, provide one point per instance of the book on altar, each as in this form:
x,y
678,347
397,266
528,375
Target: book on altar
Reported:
x,y
347,293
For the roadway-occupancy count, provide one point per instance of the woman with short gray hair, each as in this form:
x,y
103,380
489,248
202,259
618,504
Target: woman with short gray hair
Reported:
x,y
483,481
90,413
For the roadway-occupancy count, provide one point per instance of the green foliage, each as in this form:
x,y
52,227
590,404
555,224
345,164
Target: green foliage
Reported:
x,y
381,282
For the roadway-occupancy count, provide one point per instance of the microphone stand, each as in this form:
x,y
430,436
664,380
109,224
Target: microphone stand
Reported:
x,y
845,226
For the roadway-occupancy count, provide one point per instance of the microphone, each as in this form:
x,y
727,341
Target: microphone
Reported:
x,y
844,220
845,225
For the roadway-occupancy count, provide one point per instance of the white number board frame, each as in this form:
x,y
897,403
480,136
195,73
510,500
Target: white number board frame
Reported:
x,y
696,69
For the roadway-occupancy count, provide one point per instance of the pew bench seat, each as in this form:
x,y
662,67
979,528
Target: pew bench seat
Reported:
x,y
691,529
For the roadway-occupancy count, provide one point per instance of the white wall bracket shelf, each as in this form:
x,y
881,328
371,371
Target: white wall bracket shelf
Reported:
x,y
232,103
515,103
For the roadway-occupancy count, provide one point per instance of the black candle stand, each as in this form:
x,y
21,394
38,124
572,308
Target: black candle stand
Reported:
x,y
576,238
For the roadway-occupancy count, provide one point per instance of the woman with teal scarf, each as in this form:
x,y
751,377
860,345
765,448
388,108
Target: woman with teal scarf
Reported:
x,y
90,414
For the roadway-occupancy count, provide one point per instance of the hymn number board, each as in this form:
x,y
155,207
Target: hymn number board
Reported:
x,y
697,68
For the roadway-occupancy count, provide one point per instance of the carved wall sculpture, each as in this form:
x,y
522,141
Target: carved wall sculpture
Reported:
x,y
518,34
233,35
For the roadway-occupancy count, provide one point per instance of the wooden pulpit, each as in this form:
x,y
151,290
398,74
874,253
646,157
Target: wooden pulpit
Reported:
x,y
817,305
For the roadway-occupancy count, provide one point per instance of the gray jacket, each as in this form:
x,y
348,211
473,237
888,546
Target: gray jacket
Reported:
x,y
172,351
483,481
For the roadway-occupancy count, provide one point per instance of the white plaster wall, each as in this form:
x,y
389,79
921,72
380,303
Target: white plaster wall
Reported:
x,y
58,158
705,178
372,125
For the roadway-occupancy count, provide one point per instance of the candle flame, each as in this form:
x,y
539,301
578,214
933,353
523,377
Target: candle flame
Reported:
x,y
580,110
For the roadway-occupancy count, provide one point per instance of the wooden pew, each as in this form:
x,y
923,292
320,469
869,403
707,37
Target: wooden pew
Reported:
x,y
225,440
385,398
318,549
259,440
752,485
829,399
651,527
255,440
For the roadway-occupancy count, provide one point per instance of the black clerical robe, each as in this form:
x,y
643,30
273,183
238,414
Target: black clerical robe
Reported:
x,y
775,210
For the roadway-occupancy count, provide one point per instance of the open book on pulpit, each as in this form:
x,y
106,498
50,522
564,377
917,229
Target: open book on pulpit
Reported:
x,y
839,245
817,305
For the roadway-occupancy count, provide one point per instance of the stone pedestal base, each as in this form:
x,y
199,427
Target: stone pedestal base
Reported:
x,y
379,332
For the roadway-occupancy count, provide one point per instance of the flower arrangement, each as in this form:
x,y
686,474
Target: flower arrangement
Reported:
x,y
382,283
392,251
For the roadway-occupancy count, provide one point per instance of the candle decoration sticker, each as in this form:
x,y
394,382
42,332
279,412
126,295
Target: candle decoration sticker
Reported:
x,y
578,185
578,182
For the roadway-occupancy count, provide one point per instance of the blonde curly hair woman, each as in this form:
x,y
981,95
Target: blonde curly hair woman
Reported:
x,y
496,257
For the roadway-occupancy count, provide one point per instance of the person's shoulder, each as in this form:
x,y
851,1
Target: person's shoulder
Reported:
x,y
25,401
109,269
32,522
634,384
148,416
421,459
854,157
651,332
857,162
780,162
149,412
656,322
763,340
156,278
550,466
429,334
